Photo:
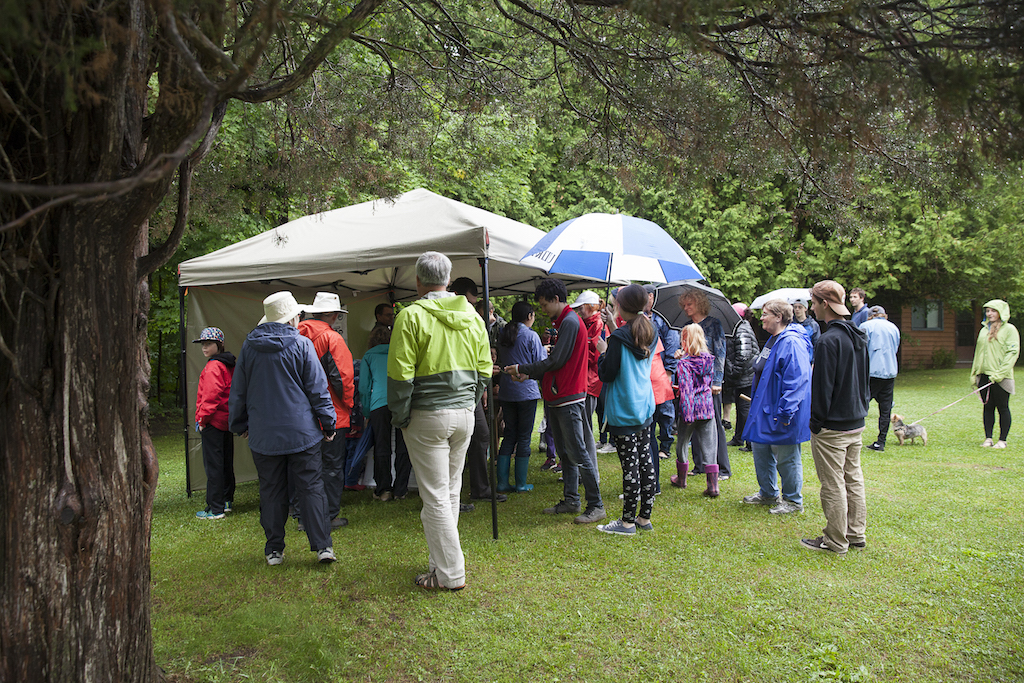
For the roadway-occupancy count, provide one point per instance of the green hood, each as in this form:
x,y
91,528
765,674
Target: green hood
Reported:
x,y
450,311
1002,307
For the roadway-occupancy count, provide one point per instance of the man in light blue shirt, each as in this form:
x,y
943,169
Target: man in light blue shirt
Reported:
x,y
883,342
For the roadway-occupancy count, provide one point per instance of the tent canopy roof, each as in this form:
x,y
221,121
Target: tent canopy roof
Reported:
x,y
373,246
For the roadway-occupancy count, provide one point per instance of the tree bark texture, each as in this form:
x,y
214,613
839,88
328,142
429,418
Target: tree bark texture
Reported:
x,y
79,470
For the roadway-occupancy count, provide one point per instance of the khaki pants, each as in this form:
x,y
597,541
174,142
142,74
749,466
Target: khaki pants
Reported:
x,y
837,462
437,441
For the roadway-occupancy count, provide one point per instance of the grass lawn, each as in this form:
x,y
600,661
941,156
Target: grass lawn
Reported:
x,y
719,591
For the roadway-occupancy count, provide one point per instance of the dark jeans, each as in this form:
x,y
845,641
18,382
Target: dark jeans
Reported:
x,y
332,454
996,399
476,456
380,423
303,470
219,464
600,416
568,426
519,419
742,411
664,416
881,393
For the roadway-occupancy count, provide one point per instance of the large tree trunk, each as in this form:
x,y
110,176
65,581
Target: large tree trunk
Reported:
x,y
79,471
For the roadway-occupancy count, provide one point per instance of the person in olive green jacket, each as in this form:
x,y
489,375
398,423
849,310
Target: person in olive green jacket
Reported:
x,y
439,363
994,357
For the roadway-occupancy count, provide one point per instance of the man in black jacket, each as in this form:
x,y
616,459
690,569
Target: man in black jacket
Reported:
x,y
840,392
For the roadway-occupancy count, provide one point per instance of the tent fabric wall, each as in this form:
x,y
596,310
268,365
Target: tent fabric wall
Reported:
x,y
366,253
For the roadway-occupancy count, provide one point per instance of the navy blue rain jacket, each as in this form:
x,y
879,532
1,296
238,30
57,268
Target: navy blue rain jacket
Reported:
x,y
279,392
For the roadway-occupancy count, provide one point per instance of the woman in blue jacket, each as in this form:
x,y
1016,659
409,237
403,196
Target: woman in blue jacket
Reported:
x,y
373,393
780,409
518,345
625,369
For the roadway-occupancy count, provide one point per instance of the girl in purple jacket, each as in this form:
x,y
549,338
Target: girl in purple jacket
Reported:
x,y
695,411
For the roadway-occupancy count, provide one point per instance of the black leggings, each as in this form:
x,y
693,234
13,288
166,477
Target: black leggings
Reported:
x,y
996,399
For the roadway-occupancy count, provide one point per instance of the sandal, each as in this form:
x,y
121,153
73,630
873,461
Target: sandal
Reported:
x,y
987,443
431,582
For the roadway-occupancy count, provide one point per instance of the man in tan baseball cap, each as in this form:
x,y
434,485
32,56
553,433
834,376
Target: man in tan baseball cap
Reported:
x,y
839,401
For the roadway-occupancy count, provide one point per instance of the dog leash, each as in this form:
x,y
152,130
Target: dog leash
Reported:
x,y
952,404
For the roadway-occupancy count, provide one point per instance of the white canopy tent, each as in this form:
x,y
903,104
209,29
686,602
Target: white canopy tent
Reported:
x,y
366,253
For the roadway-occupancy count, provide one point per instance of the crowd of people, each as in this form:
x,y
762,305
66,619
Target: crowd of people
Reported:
x,y
293,392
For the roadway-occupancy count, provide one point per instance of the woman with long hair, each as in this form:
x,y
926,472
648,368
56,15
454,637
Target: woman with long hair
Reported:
x,y
994,357
518,344
625,368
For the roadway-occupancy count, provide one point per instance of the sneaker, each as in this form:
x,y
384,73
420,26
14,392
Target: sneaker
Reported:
x,y
466,507
339,522
726,424
206,514
384,497
616,527
644,527
606,448
723,477
590,516
548,464
227,506
663,455
326,556
275,558
859,545
877,446
818,544
786,507
557,469
746,448
760,499
562,508
734,442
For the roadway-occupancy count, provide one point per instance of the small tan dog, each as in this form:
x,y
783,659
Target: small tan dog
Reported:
x,y
905,432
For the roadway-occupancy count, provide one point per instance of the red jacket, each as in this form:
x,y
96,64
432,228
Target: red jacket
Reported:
x,y
213,392
334,355
594,329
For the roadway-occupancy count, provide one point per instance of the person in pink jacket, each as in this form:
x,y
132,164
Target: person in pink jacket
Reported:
x,y
212,424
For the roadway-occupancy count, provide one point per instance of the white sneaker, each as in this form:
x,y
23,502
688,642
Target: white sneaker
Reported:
x,y
606,448
326,556
275,558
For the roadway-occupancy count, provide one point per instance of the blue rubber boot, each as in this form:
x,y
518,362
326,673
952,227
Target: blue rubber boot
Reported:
x,y
504,461
522,464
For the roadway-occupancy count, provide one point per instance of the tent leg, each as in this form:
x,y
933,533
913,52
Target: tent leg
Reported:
x,y
183,385
492,413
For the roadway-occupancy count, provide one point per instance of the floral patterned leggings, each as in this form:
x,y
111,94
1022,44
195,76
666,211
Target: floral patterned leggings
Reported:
x,y
638,482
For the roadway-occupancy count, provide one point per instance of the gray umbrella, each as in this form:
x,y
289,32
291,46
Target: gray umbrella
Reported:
x,y
666,302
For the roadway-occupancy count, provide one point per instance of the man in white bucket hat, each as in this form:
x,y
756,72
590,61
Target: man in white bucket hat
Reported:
x,y
336,360
279,399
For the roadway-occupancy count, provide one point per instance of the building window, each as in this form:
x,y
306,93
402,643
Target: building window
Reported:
x,y
927,317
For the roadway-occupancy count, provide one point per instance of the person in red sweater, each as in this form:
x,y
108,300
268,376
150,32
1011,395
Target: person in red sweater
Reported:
x,y
587,305
336,360
212,423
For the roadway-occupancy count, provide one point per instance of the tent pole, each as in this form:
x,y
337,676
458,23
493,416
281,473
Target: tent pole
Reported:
x,y
183,385
492,412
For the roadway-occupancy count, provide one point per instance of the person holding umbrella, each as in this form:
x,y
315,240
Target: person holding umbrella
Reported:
x,y
780,410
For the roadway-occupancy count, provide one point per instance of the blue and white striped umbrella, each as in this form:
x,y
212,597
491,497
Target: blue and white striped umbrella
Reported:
x,y
612,248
